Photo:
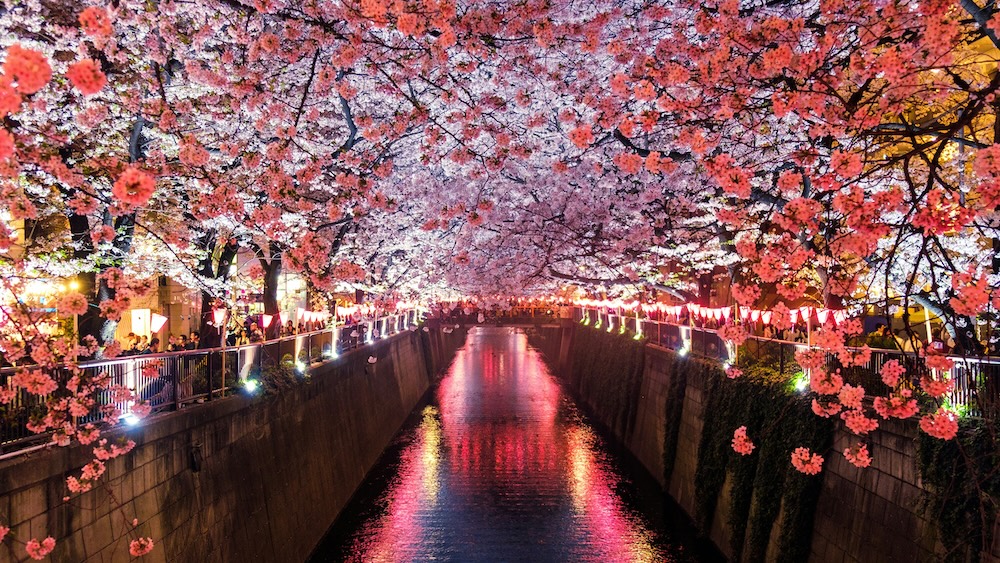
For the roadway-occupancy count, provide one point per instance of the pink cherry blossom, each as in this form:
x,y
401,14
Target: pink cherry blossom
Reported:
x,y
858,455
807,462
943,424
741,443
140,547
40,549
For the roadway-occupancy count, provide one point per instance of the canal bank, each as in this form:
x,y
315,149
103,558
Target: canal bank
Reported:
x,y
671,412
501,465
236,479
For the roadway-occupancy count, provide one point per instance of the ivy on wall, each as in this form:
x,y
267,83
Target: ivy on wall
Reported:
x,y
762,484
764,489
677,370
961,480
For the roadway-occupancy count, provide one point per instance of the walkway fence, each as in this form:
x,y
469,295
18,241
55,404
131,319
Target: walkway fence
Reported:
x,y
977,379
171,380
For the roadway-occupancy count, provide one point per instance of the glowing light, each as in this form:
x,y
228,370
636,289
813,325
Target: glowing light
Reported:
x,y
300,367
219,315
266,320
131,419
156,322
251,385
800,381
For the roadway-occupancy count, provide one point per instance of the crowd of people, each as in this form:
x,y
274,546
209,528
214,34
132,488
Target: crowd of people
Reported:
x,y
240,333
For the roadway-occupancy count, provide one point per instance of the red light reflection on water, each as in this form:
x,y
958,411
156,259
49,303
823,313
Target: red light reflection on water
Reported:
x,y
503,469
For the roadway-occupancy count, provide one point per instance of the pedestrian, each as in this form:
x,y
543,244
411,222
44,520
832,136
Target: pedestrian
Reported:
x,y
255,333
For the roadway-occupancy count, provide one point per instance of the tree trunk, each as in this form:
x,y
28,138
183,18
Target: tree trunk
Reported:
x,y
272,274
705,289
965,337
211,336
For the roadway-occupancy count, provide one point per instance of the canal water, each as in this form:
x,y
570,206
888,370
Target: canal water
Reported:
x,y
500,465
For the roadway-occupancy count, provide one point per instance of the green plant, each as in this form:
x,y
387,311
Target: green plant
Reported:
x,y
678,369
275,378
961,486
764,482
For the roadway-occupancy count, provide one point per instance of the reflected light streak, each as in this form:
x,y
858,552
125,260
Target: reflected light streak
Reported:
x,y
502,468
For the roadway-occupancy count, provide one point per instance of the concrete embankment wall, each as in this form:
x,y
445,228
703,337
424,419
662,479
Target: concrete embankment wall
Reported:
x,y
238,479
654,403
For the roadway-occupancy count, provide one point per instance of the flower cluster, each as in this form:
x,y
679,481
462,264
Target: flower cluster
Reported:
x,y
28,68
741,444
134,187
858,455
900,404
943,424
140,547
936,387
733,333
807,462
96,22
891,372
857,422
582,136
86,76
38,550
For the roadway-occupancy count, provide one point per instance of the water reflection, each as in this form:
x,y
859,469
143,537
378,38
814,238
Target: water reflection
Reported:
x,y
500,467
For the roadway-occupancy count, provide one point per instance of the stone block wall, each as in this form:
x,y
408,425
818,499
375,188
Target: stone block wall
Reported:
x,y
870,515
238,479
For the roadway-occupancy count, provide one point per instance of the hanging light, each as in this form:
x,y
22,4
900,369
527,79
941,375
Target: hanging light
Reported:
x,y
156,322
266,320
283,316
219,315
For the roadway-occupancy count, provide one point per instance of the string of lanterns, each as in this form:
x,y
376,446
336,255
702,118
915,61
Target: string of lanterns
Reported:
x,y
805,314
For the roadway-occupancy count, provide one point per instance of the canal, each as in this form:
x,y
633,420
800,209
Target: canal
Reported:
x,y
500,465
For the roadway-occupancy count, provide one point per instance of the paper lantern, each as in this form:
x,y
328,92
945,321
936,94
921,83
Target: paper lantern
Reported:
x,y
822,315
744,312
840,316
794,315
266,320
716,314
726,311
754,315
156,322
765,316
299,314
283,316
219,315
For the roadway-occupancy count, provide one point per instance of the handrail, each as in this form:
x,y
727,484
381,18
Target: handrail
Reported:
x,y
976,378
220,370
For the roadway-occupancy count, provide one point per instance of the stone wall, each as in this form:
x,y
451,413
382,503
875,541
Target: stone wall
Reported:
x,y
238,479
862,515
884,497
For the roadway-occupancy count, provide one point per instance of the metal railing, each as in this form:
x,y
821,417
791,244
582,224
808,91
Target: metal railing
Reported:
x,y
976,379
169,381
